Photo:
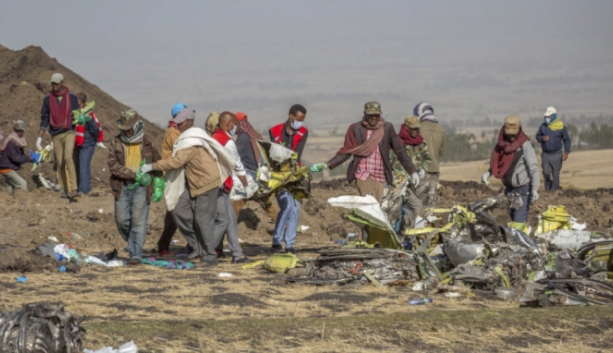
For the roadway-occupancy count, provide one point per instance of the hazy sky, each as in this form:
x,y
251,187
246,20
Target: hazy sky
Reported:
x,y
467,58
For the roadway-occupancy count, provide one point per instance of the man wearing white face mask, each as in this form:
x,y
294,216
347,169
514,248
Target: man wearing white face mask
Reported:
x,y
226,221
292,135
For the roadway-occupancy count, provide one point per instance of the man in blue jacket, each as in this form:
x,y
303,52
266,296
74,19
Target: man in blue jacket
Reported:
x,y
555,143
12,157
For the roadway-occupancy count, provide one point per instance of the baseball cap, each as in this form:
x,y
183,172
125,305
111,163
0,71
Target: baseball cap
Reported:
x,y
240,115
372,108
184,114
177,108
512,125
19,125
57,77
550,111
412,122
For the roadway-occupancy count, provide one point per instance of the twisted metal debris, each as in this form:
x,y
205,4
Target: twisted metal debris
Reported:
x,y
40,328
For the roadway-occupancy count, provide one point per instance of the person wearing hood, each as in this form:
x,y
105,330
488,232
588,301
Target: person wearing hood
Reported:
x,y
170,136
211,123
198,167
132,200
417,149
293,135
434,136
12,156
514,162
56,115
370,141
555,144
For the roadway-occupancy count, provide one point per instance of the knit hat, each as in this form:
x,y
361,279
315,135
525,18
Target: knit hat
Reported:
x,y
372,108
211,122
240,116
127,119
184,114
424,111
19,125
512,125
412,122
550,111
57,78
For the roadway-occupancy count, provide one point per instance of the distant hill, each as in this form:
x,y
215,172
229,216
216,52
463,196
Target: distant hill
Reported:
x,y
25,80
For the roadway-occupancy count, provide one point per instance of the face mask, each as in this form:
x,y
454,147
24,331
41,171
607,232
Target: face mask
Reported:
x,y
547,120
296,124
233,131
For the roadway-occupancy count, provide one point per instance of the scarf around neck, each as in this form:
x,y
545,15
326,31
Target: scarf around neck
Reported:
x,y
254,136
407,139
139,133
502,156
61,114
20,141
353,147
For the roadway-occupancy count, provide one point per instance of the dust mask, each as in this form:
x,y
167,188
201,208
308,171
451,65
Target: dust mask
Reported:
x,y
233,131
296,124
547,120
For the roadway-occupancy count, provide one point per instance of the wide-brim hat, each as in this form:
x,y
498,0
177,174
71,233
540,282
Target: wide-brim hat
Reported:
x,y
127,119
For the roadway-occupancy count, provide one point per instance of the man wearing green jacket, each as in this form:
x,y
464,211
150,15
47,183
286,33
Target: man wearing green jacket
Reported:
x,y
434,136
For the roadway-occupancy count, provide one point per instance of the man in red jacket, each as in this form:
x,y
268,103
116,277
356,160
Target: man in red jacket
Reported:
x,y
293,135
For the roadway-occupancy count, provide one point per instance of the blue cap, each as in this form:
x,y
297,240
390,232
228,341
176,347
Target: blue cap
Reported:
x,y
177,108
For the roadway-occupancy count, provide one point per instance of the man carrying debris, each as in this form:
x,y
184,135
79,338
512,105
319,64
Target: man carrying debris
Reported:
x,y
87,136
56,114
170,136
555,143
249,152
293,135
225,221
195,173
132,200
417,149
514,161
434,136
12,157
370,142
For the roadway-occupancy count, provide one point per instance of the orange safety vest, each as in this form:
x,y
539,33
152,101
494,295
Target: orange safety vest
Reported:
x,y
80,132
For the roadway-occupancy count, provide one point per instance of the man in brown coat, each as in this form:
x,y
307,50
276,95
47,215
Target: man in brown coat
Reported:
x,y
369,142
131,200
434,136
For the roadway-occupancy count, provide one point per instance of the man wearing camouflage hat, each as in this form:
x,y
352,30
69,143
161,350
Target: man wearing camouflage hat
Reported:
x,y
131,201
13,156
370,141
56,115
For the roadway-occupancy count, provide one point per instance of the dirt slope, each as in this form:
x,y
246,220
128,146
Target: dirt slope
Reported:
x,y
24,82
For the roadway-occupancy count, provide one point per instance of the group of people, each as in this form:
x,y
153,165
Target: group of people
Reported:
x,y
73,144
201,166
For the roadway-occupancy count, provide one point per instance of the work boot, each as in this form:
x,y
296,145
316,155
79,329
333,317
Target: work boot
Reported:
x,y
291,250
74,194
164,253
63,194
240,260
135,261
276,249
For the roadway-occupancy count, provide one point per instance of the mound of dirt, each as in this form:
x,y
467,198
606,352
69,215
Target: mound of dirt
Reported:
x,y
25,80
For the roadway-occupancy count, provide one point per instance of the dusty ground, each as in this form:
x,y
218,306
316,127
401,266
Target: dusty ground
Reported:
x,y
195,310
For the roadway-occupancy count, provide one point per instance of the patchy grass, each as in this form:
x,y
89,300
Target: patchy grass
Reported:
x,y
579,329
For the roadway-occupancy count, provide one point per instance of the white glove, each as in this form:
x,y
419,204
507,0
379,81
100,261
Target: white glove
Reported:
x,y
422,174
146,168
39,142
535,195
101,145
251,189
484,178
415,179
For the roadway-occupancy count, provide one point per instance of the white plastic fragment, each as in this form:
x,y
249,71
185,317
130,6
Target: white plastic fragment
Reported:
x,y
453,295
53,239
128,347
418,286
350,201
100,210
225,275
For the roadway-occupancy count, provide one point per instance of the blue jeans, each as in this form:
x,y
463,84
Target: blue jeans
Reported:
x,y
288,217
131,213
521,214
85,160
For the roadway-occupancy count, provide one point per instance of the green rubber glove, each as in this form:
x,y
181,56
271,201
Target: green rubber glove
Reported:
x,y
318,167
158,189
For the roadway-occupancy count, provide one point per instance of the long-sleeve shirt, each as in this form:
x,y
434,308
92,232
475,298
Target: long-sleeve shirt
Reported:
x,y
239,169
13,157
557,139
245,150
92,133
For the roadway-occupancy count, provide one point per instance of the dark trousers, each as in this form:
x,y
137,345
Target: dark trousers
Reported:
x,y
195,218
552,165
169,231
85,160
521,214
